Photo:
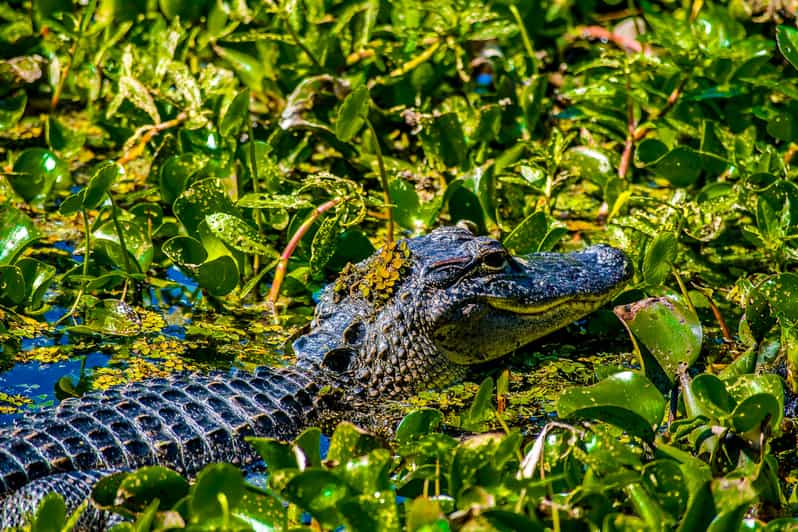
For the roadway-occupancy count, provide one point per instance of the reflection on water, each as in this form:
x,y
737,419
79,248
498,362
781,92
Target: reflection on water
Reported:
x,y
37,381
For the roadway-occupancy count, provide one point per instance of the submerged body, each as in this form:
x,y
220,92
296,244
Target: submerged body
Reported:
x,y
409,318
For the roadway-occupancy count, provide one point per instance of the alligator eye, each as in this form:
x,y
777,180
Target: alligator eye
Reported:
x,y
495,262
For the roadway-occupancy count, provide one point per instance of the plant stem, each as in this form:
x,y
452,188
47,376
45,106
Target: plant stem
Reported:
x,y
297,40
282,265
530,50
84,23
386,195
134,152
119,234
86,256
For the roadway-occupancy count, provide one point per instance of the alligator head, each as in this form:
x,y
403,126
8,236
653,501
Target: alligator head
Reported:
x,y
415,314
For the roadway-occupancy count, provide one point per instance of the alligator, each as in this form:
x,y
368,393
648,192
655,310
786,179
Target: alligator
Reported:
x,y
412,317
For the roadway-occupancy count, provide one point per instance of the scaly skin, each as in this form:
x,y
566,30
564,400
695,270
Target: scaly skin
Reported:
x,y
410,318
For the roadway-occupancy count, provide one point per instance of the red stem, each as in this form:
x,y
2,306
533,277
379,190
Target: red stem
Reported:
x,y
282,265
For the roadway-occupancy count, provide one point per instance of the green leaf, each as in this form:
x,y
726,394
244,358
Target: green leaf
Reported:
x,y
667,327
100,183
407,205
38,277
318,492
111,317
348,442
17,232
11,110
659,258
219,276
12,285
352,114
144,486
324,241
260,200
275,454
418,423
787,39
50,515
202,198
138,244
36,171
239,235
527,235
681,166
481,409
174,175
627,400
62,139
185,251
215,480
235,116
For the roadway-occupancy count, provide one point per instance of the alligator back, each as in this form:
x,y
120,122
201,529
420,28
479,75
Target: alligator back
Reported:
x,y
183,422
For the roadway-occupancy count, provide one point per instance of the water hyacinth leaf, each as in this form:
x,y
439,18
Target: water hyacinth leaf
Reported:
x,y
235,116
309,443
348,442
264,509
185,251
12,285
318,492
489,124
248,68
212,481
681,166
405,198
139,247
783,126
72,204
268,170
659,257
17,232
110,317
787,40
667,327
322,248
35,173
352,114
201,198
370,473
781,292
377,511
219,276
174,175
103,494
649,151
527,235
62,139
238,234
38,277
418,423
750,385
444,140
709,398
50,515
665,481
11,110
275,454
100,183
627,400
754,411
139,489
465,205
481,409
589,163
260,200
